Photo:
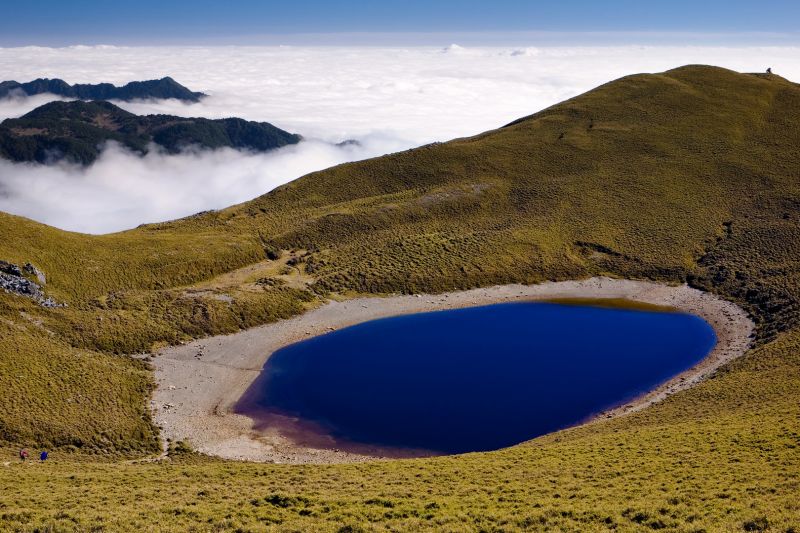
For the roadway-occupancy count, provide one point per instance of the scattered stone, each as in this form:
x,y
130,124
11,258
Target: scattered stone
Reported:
x,y
13,280
32,270
10,269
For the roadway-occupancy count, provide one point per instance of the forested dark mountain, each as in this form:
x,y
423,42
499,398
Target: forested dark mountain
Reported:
x,y
76,131
163,88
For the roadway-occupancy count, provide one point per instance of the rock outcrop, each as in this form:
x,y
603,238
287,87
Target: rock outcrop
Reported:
x,y
13,279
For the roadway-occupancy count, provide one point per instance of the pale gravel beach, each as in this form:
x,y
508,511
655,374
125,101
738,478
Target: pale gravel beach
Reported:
x,y
200,383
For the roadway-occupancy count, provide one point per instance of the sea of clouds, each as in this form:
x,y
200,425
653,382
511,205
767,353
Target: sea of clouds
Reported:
x,y
388,99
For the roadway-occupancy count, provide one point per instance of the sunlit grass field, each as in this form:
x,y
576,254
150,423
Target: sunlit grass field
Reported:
x,y
688,176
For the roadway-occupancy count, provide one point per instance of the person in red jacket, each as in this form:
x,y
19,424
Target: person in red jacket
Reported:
x,y
23,454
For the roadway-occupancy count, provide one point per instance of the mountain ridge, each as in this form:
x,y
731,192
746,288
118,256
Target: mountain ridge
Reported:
x,y
163,88
76,131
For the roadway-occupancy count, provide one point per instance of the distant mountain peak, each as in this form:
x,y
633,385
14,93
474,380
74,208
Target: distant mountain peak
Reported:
x,y
165,87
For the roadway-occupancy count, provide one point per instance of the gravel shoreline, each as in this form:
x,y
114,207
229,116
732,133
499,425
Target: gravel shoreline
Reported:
x,y
199,383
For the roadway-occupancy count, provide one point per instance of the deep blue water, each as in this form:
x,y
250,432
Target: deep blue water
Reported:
x,y
479,378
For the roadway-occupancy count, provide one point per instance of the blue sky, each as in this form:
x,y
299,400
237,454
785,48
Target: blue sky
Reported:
x,y
60,22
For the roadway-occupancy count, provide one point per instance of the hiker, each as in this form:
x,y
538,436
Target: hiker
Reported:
x,y
769,70
43,456
23,454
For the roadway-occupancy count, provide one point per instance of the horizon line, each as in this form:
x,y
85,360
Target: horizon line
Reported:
x,y
544,38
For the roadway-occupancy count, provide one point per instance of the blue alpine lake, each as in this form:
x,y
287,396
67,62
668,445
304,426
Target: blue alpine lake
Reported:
x,y
474,379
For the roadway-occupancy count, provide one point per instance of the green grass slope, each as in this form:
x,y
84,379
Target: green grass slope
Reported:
x,y
690,175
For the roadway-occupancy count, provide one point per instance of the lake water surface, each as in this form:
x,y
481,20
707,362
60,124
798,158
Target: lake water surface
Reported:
x,y
474,379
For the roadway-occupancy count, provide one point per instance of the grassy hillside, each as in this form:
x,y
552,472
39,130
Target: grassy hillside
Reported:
x,y
721,458
690,175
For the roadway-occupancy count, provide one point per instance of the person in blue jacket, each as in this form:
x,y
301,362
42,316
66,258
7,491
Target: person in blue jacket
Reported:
x,y
43,456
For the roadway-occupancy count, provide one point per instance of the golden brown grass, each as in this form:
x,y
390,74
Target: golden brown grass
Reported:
x,y
689,175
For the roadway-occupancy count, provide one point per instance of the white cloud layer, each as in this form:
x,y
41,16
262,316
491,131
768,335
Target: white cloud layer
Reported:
x,y
388,98
122,190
